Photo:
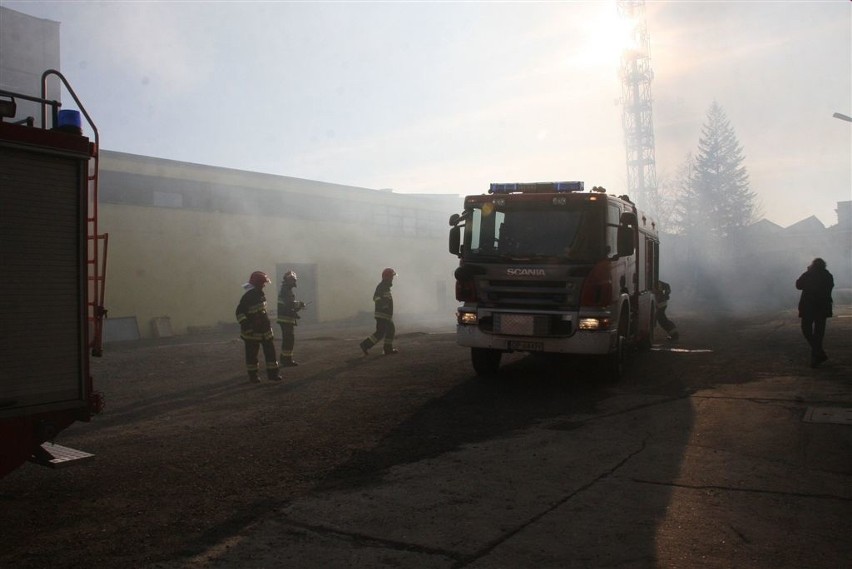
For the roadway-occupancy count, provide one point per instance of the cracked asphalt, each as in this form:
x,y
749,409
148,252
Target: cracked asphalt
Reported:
x,y
704,455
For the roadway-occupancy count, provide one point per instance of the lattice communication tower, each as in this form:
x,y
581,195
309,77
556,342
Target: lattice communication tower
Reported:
x,y
637,118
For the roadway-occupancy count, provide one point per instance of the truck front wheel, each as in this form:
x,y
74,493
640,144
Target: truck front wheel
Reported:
x,y
614,362
485,361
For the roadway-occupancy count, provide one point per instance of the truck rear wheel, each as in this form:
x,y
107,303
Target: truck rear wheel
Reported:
x,y
485,361
646,342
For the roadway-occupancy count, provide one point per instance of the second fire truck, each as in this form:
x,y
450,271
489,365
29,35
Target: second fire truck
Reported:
x,y
547,267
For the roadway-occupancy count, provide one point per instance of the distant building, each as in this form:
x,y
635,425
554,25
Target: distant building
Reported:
x,y
840,259
844,215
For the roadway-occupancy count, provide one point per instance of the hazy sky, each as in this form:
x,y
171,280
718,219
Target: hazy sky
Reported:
x,y
446,97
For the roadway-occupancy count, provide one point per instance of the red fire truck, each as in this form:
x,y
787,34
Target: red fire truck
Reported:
x,y
548,267
52,285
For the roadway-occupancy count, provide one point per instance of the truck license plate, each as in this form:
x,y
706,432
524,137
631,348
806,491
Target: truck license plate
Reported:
x,y
526,346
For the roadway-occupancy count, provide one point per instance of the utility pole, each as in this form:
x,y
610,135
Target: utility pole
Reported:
x,y
637,118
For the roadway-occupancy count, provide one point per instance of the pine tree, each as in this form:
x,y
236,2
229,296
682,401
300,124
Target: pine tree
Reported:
x,y
677,218
716,200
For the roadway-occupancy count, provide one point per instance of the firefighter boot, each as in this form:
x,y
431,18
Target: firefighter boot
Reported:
x,y
288,362
253,377
390,350
274,374
365,346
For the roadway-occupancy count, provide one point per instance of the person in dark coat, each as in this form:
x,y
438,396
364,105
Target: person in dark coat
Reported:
x,y
385,328
256,329
815,306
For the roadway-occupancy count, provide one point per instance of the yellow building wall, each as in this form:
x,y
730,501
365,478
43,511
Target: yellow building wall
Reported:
x,y
189,265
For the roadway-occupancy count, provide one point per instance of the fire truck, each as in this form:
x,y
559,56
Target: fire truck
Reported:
x,y
52,285
547,267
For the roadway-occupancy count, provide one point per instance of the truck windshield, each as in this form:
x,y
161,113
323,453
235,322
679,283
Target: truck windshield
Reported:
x,y
527,230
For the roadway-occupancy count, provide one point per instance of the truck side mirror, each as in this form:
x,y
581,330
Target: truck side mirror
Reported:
x,y
455,240
454,219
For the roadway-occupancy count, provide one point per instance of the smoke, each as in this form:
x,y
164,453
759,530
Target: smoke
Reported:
x,y
751,272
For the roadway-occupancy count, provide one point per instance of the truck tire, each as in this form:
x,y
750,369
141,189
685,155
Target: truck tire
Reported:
x,y
614,364
646,342
485,361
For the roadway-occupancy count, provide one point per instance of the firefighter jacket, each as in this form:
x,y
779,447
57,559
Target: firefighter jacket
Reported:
x,y
252,316
384,301
288,306
816,285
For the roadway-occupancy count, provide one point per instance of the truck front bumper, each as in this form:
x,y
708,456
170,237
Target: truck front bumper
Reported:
x,y
471,333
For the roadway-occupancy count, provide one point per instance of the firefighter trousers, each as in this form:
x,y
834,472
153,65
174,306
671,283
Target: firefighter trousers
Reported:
x,y
252,349
288,340
386,330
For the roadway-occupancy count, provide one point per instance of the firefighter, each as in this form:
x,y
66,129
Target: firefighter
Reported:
x,y
384,316
663,292
256,329
815,306
288,316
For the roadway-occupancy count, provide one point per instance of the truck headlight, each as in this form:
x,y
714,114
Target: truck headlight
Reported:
x,y
594,324
466,318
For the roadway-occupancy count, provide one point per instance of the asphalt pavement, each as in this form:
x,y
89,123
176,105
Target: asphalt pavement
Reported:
x,y
754,474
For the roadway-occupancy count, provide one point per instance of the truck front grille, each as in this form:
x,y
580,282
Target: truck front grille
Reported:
x,y
521,324
541,294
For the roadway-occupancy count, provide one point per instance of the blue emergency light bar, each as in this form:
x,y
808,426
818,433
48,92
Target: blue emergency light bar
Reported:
x,y
536,187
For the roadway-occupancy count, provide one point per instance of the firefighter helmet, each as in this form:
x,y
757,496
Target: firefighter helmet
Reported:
x,y
388,273
290,277
258,279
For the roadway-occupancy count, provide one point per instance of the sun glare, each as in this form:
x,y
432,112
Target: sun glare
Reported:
x,y
608,36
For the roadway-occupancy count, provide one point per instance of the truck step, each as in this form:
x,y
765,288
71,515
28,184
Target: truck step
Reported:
x,y
58,456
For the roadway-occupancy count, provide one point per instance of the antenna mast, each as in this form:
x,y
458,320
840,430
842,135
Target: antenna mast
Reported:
x,y
636,118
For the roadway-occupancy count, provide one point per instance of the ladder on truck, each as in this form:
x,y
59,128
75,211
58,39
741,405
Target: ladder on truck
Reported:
x,y
96,258
96,248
